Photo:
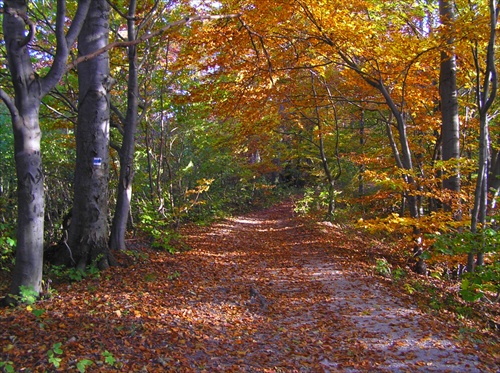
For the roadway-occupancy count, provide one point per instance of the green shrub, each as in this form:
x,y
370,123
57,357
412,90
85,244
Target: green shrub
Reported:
x,y
7,246
485,280
382,267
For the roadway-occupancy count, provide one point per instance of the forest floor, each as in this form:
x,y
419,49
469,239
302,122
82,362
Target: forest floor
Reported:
x,y
263,292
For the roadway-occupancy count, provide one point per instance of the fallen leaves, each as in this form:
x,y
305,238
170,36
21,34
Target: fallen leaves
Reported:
x,y
196,312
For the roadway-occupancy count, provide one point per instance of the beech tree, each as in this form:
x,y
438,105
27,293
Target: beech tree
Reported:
x,y
129,122
450,128
28,89
89,231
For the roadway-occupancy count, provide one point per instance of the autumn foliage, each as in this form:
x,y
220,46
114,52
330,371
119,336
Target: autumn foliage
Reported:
x,y
240,105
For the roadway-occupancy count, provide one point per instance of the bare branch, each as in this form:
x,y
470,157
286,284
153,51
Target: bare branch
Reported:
x,y
120,116
64,42
9,102
125,44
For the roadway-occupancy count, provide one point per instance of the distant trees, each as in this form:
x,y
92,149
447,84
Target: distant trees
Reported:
x,y
402,58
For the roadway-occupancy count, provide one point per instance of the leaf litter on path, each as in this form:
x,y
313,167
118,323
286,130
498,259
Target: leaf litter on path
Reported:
x,y
265,292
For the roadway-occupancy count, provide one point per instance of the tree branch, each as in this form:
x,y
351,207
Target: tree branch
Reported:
x,y
124,44
9,102
27,21
64,43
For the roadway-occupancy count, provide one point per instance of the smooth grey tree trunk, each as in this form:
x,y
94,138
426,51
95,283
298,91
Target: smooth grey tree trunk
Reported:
x,y
124,196
88,233
486,92
403,160
29,89
406,158
450,127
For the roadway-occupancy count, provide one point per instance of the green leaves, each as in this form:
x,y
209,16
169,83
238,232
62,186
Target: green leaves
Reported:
x,y
465,242
484,282
109,358
7,245
27,295
53,353
83,364
383,267
7,366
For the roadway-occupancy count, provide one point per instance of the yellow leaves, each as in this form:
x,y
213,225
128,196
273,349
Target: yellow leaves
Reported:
x,y
203,186
393,223
8,348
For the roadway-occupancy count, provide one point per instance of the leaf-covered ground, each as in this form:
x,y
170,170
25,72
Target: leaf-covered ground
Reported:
x,y
265,292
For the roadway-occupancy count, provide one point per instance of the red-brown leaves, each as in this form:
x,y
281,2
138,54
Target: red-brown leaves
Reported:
x,y
265,292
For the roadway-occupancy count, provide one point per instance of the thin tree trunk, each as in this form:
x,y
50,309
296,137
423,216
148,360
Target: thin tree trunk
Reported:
x,y
361,167
120,219
324,161
150,164
494,174
486,92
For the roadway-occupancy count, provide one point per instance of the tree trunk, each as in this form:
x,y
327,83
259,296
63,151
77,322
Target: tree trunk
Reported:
x,y
361,167
405,156
486,93
450,128
31,207
321,147
122,209
88,235
29,89
27,135
494,176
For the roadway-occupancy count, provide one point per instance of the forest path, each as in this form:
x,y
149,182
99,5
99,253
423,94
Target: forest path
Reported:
x,y
264,292
306,307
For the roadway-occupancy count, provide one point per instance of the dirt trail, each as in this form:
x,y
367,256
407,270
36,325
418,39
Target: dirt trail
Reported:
x,y
265,292
308,310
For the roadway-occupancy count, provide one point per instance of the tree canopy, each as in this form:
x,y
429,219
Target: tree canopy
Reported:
x,y
379,113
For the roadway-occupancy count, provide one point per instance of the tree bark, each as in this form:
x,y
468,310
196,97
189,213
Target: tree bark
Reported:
x,y
122,209
27,135
330,178
88,234
450,127
29,89
486,92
